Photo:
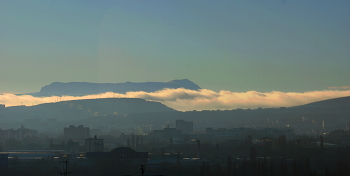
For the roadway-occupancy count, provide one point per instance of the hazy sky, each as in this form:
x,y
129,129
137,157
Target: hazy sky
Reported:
x,y
288,45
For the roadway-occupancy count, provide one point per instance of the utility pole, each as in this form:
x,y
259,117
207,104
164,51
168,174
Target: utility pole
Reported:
x,y
66,172
142,169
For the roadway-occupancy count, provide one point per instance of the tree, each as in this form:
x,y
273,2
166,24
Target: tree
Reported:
x,y
295,167
132,141
162,151
282,142
137,141
342,167
253,153
249,139
178,157
128,143
272,168
141,141
283,166
171,142
229,165
218,169
327,172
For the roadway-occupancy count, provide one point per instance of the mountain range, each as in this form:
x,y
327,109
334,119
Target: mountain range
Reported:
x,y
342,102
87,88
124,112
134,113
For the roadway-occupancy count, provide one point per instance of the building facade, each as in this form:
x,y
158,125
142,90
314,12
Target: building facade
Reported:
x,y
94,145
184,126
77,134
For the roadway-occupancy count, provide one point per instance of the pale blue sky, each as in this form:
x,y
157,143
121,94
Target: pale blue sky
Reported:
x,y
299,45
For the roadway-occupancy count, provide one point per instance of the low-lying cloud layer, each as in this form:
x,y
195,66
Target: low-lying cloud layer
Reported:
x,y
184,100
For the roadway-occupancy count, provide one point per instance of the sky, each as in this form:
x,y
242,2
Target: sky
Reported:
x,y
237,46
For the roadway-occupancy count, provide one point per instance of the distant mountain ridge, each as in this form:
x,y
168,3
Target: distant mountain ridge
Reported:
x,y
139,113
330,103
87,88
77,109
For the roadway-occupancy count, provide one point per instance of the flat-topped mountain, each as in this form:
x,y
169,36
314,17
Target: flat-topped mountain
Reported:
x,y
87,88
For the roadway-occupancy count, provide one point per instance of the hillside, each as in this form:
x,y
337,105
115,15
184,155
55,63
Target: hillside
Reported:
x,y
132,113
78,109
342,102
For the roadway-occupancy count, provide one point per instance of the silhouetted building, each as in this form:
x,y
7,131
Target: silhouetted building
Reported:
x,y
79,133
184,126
166,133
72,147
223,132
18,134
3,160
125,154
59,146
273,132
94,145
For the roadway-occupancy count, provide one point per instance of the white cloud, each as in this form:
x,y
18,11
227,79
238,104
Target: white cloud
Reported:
x,y
184,99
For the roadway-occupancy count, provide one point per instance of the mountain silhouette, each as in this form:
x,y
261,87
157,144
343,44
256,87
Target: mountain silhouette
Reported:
x,y
342,102
87,88
77,109
136,112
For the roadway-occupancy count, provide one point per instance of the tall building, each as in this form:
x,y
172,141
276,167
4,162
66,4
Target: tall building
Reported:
x,y
77,134
184,126
94,145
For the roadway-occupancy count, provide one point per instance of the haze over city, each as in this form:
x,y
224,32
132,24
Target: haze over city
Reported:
x,y
191,88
